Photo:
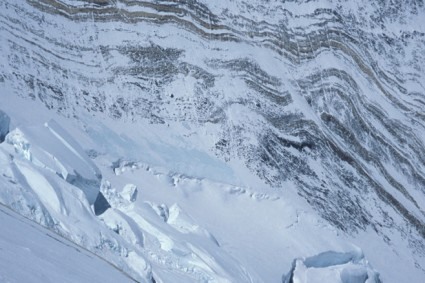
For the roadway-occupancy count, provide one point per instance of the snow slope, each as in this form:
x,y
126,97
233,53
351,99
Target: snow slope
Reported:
x,y
31,253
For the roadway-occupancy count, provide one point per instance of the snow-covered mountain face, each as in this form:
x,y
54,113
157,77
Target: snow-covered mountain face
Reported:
x,y
297,122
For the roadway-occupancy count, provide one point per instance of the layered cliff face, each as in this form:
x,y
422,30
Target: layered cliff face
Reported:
x,y
326,95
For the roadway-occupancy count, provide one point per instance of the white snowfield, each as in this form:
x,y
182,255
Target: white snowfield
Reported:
x,y
165,226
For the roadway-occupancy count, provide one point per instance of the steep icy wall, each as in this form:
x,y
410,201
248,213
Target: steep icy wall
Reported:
x,y
326,94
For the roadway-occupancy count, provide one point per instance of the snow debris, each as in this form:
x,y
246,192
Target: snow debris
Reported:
x,y
20,143
181,221
129,192
162,211
116,199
